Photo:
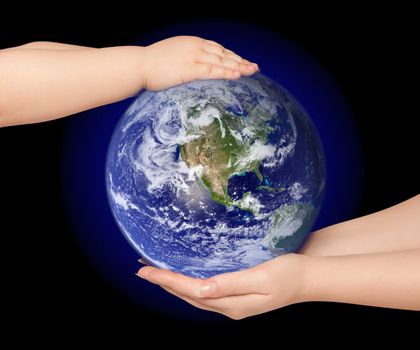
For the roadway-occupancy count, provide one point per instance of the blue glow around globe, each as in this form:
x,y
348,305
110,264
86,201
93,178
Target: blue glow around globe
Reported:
x,y
215,176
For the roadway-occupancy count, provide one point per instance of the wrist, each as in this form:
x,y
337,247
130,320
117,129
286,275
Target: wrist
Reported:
x,y
129,65
142,65
312,278
323,278
147,65
297,266
139,65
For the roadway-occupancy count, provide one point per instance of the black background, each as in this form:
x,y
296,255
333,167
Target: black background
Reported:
x,y
48,284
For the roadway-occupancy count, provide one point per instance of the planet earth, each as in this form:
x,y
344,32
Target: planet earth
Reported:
x,y
215,176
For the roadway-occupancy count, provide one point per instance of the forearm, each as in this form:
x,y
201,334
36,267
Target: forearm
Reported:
x,y
47,45
38,85
392,229
384,279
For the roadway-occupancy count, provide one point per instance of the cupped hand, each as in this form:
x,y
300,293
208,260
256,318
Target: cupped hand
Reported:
x,y
182,59
271,285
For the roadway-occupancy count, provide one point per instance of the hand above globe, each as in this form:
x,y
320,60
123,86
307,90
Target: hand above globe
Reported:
x,y
43,80
182,59
373,260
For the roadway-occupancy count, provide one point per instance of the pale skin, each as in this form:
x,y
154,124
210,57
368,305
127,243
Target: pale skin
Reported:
x,y
41,81
373,260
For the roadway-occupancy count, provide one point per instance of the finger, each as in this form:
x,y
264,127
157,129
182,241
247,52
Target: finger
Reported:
x,y
233,56
145,271
211,58
235,307
215,49
141,261
252,63
161,276
212,71
221,51
191,301
239,306
179,283
227,303
256,67
227,63
249,281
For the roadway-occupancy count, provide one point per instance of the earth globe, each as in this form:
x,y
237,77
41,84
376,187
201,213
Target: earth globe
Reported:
x,y
215,176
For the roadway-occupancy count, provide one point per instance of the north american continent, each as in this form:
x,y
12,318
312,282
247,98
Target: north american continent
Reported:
x,y
223,151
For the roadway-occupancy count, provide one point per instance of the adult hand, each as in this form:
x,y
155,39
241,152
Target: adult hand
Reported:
x,y
271,285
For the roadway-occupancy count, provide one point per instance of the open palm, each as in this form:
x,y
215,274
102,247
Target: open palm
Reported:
x,y
268,286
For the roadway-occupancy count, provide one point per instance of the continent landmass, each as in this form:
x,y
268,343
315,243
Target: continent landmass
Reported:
x,y
223,152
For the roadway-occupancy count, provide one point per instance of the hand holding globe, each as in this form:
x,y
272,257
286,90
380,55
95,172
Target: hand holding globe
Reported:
x,y
268,286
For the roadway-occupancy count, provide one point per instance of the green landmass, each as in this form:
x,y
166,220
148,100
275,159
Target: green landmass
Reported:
x,y
223,155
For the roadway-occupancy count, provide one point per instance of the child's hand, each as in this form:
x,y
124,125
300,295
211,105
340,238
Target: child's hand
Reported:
x,y
182,59
273,284
42,81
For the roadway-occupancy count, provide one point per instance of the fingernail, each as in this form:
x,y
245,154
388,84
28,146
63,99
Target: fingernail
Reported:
x,y
138,275
208,289
143,275
251,66
141,261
